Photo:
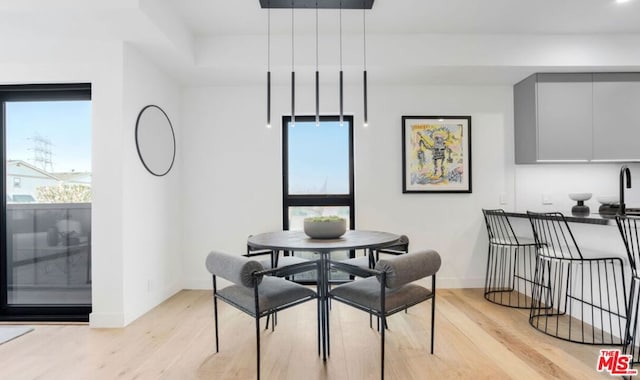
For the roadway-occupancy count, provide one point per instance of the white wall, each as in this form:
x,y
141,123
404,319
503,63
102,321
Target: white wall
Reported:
x,y
135,217
234,163
24,62
151,205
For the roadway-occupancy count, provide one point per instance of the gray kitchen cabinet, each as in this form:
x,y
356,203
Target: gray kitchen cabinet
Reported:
x,y
553,118
616,117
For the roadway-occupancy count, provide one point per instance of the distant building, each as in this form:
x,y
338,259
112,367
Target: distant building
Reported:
x,y
23,179
80,178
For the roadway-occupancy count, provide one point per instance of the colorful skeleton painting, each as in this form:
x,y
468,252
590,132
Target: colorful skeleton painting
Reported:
x,y
436,154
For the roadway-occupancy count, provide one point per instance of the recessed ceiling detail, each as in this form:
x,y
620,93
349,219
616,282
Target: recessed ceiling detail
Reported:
x,y
321,4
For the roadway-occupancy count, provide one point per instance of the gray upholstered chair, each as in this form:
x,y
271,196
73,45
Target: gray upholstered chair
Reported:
x,y
257,291
388,288
275,259
371,257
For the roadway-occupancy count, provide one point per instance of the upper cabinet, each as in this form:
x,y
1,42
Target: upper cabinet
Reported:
x,y
616,117
577,117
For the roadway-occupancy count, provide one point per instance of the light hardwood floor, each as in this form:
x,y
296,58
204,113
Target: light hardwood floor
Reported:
x,y
475,339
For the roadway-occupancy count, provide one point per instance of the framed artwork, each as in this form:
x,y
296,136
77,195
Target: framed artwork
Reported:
x,y
436,154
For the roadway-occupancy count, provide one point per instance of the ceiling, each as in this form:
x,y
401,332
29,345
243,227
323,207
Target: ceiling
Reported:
x,y
207,17
210,42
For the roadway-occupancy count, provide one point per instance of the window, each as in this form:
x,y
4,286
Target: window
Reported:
x,y
16,182
318,171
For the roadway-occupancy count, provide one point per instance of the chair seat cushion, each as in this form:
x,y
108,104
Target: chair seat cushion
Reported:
x,y
283,261
366,292
273,293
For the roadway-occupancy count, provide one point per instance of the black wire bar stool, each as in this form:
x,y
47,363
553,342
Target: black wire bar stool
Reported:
x,y
628,227
510,263
578,299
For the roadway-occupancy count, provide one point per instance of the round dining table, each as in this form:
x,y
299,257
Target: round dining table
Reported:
x,y
299,241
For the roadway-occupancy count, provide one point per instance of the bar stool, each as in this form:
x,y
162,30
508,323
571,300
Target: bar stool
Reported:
x,y
510,263
578,299
628,227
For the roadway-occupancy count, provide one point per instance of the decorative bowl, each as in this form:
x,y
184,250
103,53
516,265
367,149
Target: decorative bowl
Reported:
x,y
580,196
325,227
608,199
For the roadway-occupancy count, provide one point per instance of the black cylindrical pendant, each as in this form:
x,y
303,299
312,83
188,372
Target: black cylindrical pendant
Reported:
x,y
293,98
317,98
366,119
268,99
341,99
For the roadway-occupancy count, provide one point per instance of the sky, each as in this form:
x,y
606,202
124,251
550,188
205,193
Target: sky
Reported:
x,y
316,155
67,124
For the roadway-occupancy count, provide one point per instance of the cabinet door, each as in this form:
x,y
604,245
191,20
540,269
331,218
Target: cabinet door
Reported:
x,y
616,116
564,103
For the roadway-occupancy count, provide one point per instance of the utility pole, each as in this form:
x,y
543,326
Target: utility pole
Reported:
x,y
42,153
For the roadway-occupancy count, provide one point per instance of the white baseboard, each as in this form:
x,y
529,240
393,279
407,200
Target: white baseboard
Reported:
x,y
458,283
106,320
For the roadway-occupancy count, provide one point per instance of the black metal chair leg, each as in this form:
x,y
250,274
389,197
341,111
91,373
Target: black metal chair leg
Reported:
x,y
318,324
381,352
258,347
266,325
433,310
215,317
215,310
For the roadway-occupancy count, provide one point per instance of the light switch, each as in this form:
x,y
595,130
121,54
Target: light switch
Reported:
x,y
503,198
546,199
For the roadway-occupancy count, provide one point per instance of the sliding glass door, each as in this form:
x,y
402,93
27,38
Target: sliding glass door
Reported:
x,y
45,258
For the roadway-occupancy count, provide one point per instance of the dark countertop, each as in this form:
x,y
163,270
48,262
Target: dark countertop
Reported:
x,y
592,218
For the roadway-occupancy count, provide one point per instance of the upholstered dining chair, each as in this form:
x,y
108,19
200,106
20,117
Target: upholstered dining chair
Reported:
x,y
274,260
371,257
257,291
389,288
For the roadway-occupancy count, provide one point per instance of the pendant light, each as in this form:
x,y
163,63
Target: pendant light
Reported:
x,y
293,73
341,77
317,74
364,54
347,4
269,67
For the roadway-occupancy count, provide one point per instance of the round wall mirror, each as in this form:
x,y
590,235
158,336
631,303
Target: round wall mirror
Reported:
x,y
155,140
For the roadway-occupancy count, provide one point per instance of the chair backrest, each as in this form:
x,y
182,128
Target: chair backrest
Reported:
x,y
628,227
403,269
553,235
499,228
237,269
401,245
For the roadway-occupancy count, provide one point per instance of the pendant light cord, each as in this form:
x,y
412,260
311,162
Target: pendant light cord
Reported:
x,y
364,37
269,37
292,34
316,35
340,35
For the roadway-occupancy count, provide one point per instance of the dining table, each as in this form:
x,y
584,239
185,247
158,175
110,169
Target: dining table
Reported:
x,y
299,241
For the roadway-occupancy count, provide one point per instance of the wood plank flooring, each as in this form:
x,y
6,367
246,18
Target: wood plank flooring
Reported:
x,y
475,339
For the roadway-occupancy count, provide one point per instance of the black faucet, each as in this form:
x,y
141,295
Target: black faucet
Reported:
x,y
624,169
